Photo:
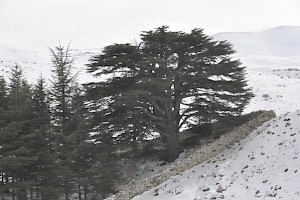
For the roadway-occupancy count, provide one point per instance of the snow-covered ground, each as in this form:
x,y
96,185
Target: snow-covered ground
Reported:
x,y
263,166
275,82
272,58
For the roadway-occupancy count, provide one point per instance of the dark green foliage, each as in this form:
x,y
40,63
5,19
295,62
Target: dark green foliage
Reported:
x,y
46,176
76,150
62,111
103,174
24,151
119,116
203,130
16,150
47,152
62,87
3,101
171,81
41,104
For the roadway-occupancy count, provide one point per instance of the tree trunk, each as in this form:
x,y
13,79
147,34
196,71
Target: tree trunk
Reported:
x,y
67,196
13,190
31,193
79,192
22,195
85,192
173,147
67,189
3,183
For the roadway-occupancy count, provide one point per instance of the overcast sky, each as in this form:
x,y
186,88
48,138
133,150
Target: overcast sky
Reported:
x,y
37,24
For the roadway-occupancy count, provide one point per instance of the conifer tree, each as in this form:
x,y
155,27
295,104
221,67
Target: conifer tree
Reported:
x,y
46,174
76,150
175,80
103,173
81,156
28,164
18,138
3,122
3,101
62,89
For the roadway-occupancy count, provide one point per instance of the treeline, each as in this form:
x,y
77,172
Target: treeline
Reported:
x,y
47,150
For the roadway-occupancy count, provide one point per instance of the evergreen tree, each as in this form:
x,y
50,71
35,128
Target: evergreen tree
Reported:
x,y
76,150
41,105
3,122
46,174
3,101
81,148
103,173
175,80
62,86
27,165
61,96
17,138
116,116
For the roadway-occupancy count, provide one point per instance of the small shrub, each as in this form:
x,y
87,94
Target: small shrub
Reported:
x,y
265,96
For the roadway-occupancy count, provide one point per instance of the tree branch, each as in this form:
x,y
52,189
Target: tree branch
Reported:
x,y
153,116
185,119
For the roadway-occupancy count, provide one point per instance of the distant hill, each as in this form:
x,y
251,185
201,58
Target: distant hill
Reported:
x,y
283,41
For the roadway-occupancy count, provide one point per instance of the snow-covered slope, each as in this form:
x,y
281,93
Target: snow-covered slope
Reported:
x,y
272,58
266,165
282,41
275,89
35,64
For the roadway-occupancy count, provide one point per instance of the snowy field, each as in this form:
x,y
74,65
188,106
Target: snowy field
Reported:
x,y
276,86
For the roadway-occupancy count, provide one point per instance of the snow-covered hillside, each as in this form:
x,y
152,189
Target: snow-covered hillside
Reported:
x,y
35,64
272,58
282,41
263,166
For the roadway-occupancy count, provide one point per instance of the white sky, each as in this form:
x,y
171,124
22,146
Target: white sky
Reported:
x,y
37,24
